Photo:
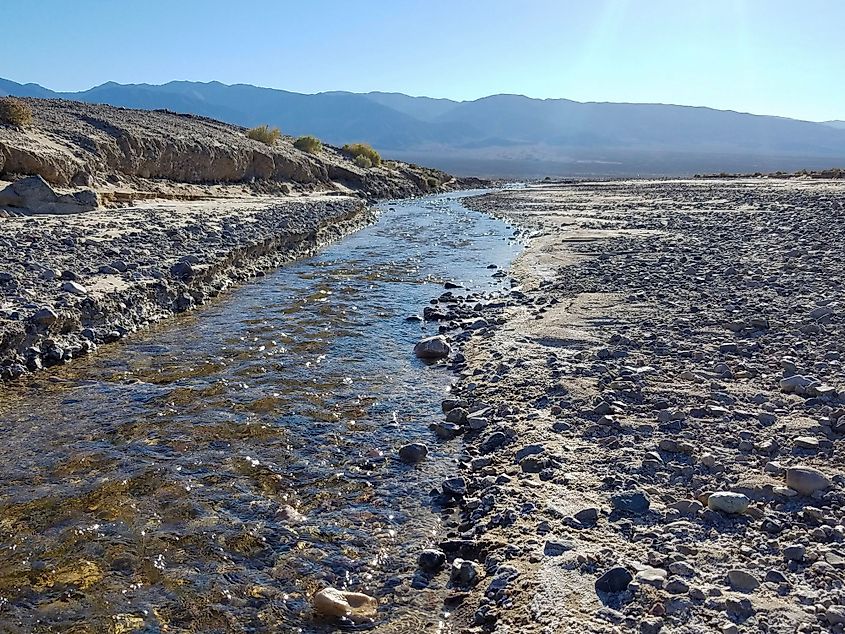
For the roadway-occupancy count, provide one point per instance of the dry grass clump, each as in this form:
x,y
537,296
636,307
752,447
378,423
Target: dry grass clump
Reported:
x,y
15,112
362,150
308,143
265,134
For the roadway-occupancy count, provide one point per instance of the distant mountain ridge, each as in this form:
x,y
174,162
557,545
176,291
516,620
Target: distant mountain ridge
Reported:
x,y
502,135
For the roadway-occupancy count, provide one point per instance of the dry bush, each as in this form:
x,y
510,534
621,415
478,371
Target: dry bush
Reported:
x,y
310,144
356,150
363,161
15,112
265,134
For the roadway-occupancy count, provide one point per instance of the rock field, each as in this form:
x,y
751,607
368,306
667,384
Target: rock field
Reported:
x,y
652,419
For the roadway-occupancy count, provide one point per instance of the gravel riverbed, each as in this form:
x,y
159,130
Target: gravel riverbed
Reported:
x,y
652,419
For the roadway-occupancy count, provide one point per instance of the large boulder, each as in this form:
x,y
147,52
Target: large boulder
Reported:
x,y
35,195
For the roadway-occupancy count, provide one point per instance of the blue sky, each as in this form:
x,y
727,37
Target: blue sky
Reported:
x,y
761,56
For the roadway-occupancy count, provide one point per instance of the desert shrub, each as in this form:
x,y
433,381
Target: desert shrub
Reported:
x,y
310,144
356,150
15,112
363,161
432,182
265,134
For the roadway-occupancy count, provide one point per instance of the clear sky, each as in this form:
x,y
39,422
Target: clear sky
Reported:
x,y
783,57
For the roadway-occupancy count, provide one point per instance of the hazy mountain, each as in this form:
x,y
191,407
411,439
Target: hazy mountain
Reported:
x,y
502,135
424,108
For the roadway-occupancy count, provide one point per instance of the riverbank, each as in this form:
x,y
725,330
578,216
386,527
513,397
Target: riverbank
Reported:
x,y
668,341
73,283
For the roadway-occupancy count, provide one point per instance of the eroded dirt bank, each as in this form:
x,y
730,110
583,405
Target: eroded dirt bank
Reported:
x,y
652,423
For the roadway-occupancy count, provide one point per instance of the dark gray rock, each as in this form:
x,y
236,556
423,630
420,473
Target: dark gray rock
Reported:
x,y
614,580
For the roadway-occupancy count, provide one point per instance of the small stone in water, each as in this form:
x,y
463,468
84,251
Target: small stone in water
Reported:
x,y
431,560
413,452
433,348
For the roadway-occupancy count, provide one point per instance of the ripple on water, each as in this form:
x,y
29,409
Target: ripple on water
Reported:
x,y
213,472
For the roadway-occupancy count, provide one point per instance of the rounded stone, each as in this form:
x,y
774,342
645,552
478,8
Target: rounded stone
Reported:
x,y
413,452
728,502
806,480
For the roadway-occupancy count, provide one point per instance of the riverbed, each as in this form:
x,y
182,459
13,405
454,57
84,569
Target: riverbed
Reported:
x,y
212,472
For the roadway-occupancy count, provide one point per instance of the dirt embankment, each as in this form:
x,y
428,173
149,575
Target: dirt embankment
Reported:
x,y
70,143
652,423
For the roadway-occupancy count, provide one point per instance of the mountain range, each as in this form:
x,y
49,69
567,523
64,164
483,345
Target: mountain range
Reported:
x,y
501,135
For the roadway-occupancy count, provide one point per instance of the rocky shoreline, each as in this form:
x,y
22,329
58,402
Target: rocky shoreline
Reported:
x,y
72,285
651,419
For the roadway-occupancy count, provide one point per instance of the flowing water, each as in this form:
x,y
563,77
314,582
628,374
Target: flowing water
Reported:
x,y
210,473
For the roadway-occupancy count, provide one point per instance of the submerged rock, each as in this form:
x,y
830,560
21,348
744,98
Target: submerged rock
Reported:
x,y
355,606
433,348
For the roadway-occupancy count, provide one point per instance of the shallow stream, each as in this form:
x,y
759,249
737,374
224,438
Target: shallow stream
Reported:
x,y
209,473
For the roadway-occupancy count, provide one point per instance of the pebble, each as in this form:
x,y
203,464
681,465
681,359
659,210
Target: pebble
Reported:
x,y
614,580
74,288
742,580
464,573
431,560
630,502
355,606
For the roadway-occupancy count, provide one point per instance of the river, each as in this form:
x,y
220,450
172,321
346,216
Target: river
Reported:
x,y
209,473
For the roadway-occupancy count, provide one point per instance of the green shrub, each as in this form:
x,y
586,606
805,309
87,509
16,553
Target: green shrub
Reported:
x,y
265,134
432,182
363,161
15,112
356,150
310,144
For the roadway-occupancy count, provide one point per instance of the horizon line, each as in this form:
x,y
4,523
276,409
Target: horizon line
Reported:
x,y
396,92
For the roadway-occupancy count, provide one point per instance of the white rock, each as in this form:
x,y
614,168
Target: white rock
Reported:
x,y
73,287
354,606
728,502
